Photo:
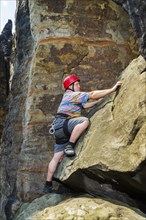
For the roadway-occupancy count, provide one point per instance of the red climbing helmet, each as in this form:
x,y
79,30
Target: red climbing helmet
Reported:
x,y
69,80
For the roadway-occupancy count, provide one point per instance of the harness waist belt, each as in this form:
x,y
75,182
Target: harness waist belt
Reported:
x,y
63,115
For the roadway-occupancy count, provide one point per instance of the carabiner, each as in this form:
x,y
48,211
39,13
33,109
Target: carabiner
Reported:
x,y
52,130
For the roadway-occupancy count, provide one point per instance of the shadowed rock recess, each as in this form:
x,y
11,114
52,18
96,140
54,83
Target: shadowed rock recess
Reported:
x,y
5,53
99,41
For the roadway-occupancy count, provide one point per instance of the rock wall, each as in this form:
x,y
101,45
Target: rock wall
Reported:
x,y
3,89
66,39
136,10
93,39
5,53
13,133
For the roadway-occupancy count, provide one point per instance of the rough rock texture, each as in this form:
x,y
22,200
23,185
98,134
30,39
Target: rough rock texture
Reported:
x,y
5,52
12,134
136,10
113,152
6,38
93,39
3,88
36,90
68,37
78,208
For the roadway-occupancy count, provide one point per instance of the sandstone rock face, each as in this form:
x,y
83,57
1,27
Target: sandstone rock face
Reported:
x,y
136,11
5,53
12,133
75,42
76,208
113,151
93,39
3,89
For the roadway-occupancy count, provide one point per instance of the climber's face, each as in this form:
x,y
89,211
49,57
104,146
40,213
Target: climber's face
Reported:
x,y
77,86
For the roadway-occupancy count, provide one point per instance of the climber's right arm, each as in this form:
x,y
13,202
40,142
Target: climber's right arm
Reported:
x,y
97,94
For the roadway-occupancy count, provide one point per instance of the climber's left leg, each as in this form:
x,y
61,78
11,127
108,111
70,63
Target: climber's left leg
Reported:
x,y
76,126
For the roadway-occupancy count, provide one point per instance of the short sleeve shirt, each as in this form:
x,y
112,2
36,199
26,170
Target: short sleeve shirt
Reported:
x,y
72,102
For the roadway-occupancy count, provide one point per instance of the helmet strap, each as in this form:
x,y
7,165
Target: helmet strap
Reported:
x,y
72,89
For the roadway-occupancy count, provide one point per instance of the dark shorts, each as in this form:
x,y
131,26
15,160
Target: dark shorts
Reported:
x,y
59,132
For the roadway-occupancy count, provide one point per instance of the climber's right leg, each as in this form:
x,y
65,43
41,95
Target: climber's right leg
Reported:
x,y
51,170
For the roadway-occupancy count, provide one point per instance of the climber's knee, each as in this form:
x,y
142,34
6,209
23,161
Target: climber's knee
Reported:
x,y
87,122
58,157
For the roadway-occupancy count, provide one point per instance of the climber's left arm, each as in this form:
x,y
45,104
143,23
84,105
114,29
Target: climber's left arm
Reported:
x,y
91,104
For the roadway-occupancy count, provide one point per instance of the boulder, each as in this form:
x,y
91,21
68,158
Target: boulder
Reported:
x,y
83,207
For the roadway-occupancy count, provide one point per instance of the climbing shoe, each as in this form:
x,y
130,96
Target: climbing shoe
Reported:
x,y
48,187
69,151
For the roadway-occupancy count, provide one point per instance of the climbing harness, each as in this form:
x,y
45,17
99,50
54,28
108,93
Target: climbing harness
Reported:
x,y
61,131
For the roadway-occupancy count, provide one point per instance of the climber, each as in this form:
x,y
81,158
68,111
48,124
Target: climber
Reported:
x,y
69,124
